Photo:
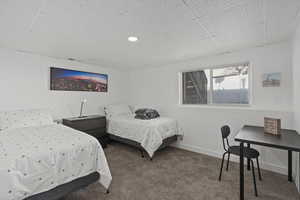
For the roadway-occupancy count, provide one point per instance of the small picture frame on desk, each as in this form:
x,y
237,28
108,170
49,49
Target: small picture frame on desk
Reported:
x,y
272,126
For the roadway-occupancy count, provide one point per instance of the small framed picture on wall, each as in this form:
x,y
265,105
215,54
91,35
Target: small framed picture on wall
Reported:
x,y
271,79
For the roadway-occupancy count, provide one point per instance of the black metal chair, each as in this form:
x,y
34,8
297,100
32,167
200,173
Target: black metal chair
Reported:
x,y
249,153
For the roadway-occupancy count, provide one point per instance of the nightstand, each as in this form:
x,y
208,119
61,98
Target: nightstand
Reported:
x,y
94,125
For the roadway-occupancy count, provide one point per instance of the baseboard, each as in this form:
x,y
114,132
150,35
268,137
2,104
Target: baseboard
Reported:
x,y
264,165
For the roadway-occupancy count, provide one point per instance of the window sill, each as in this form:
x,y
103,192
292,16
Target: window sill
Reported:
x,y
222,106
233,107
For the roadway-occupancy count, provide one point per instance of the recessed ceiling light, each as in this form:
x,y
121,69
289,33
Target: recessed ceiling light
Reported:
x,y
133,39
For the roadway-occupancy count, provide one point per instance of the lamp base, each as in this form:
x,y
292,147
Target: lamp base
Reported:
x,y
82,116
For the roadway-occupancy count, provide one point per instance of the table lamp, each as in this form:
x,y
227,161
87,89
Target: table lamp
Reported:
x,y
81,107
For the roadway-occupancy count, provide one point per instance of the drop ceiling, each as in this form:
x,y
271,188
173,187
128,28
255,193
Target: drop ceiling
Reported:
x,y
96,31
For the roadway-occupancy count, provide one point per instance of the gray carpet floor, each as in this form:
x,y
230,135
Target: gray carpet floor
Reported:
x,y
176,174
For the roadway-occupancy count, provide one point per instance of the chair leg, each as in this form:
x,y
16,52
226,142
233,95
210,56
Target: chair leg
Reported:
x,y
254,180
258,168
222,166
228,162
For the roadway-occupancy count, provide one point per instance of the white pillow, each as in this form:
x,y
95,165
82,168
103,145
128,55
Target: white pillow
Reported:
x,y
117,110
24,118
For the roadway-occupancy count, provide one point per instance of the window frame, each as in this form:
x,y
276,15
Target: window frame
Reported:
x,y
210,102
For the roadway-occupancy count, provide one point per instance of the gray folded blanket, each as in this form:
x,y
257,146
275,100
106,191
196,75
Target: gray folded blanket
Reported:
x,y
146,113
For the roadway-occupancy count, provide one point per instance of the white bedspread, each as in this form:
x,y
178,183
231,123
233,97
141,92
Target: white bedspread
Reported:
x,y
149,133
37,159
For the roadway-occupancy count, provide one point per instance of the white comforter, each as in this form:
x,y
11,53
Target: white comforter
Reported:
x,y
37,159
149,133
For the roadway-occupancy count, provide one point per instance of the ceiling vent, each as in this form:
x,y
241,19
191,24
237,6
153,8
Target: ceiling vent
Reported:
x,y
71,59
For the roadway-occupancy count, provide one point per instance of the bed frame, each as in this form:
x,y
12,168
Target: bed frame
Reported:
x,y
62,190
166,142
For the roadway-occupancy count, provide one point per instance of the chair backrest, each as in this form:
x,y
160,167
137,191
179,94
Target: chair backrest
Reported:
x,y
225,130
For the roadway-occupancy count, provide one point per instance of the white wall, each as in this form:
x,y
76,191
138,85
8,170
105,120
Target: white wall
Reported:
x,y
296,81
24,83
159,88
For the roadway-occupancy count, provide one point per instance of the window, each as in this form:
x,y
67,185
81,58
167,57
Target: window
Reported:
x,y
221,85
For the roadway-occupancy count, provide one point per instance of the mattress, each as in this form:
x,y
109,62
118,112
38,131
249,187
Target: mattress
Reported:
x,y
37,159
149,133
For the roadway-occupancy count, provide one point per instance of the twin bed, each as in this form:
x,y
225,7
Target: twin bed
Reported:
x,y
146,135
41,160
